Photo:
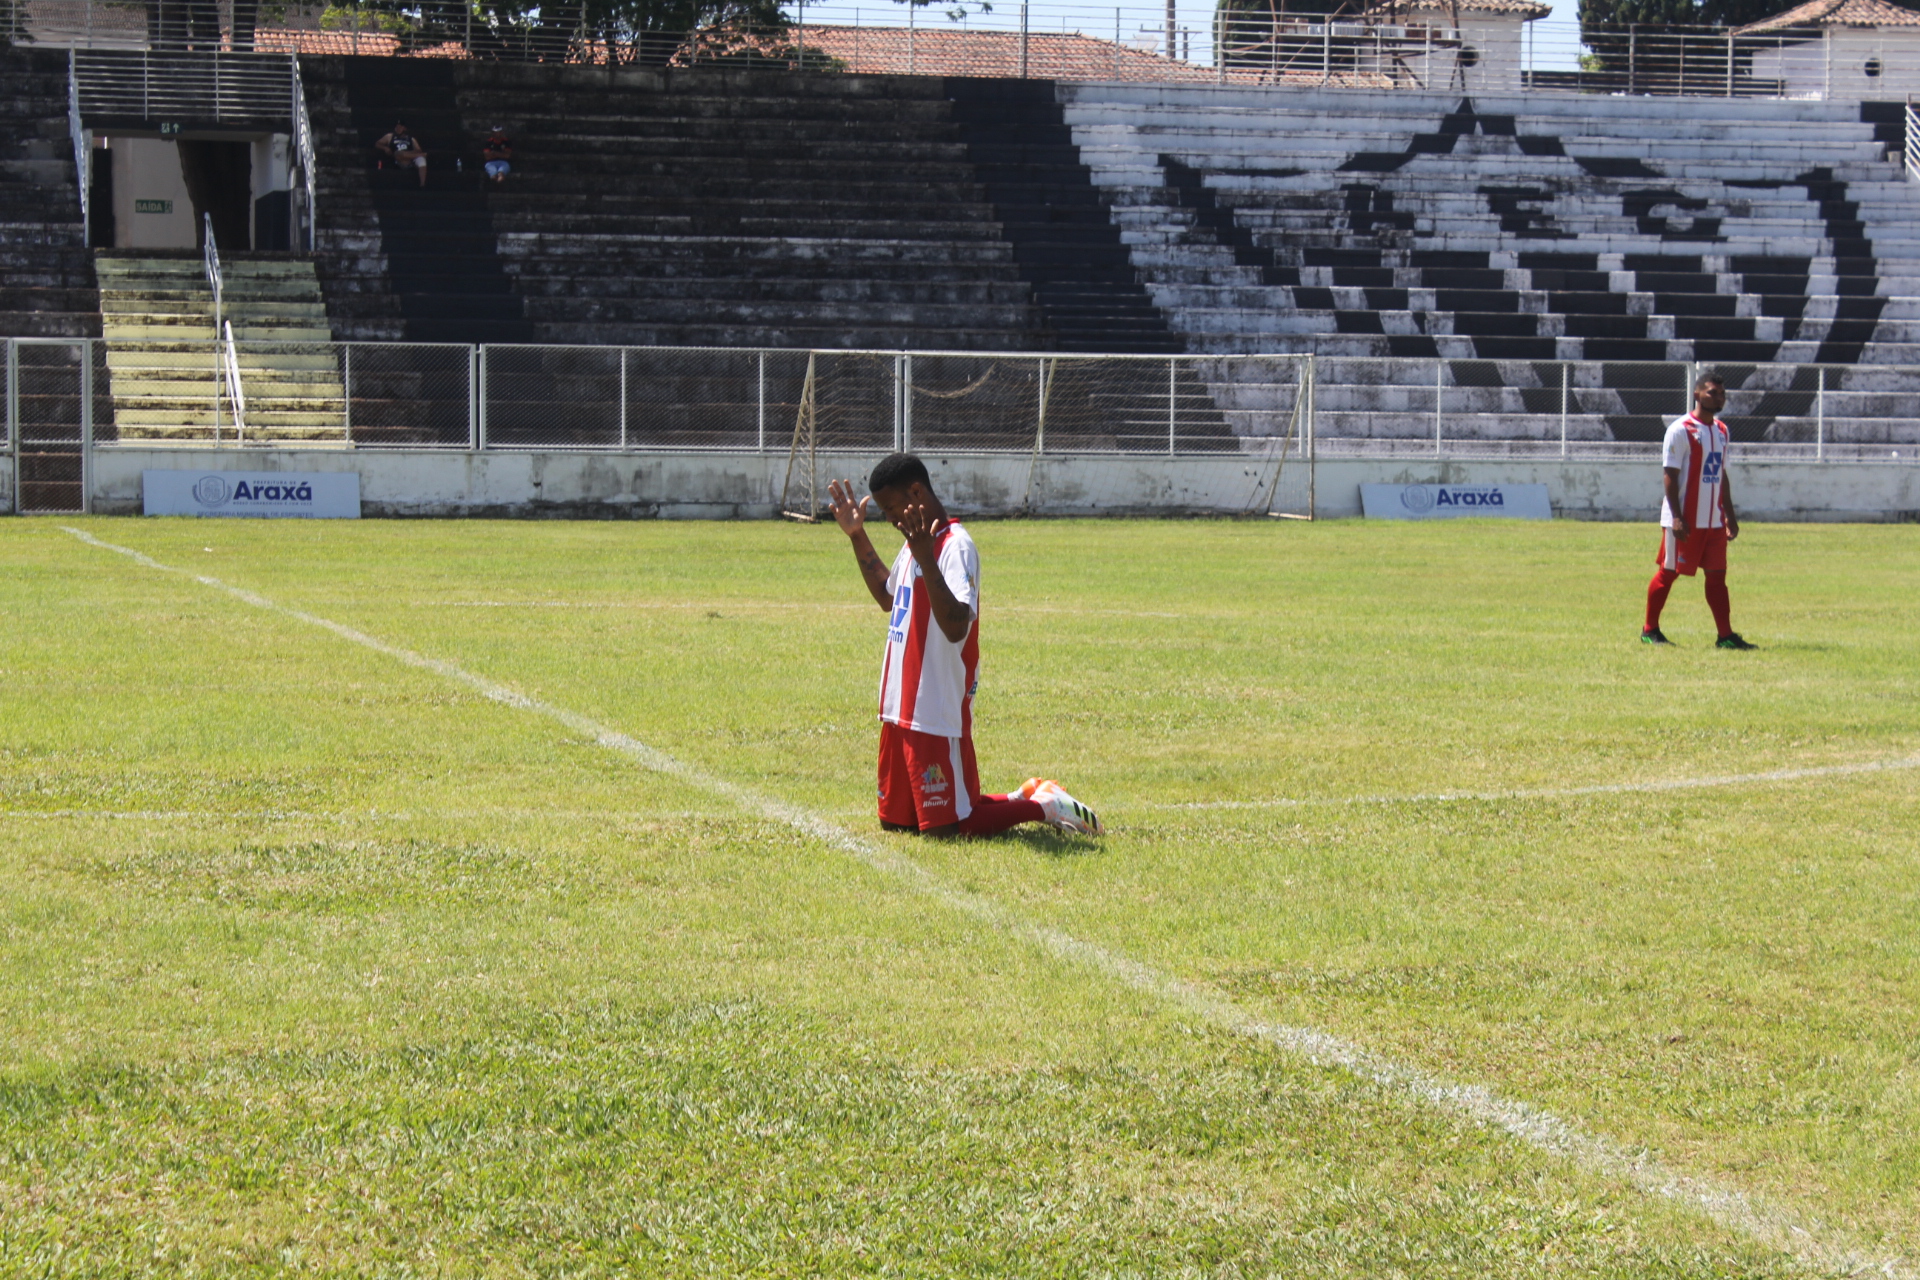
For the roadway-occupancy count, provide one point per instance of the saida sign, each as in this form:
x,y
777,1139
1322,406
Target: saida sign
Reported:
x,y
323,495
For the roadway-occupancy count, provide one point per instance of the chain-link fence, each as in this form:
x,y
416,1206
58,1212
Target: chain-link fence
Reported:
x,y
447,396
56,411
1597,409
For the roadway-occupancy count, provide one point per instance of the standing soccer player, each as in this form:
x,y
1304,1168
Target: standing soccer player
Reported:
x,y
1696,518
929,782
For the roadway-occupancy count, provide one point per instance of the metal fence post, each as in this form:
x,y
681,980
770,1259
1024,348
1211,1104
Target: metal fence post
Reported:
x,y
906,403
1040,416
1439,395
1820,418
13,401
1173,375
760,399
13,419
623,397
898,374
346,391
86,426
1566,386
476,397
1313,430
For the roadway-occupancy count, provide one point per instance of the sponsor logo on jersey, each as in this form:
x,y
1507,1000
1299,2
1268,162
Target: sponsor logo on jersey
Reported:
x,y
902,610
1710,469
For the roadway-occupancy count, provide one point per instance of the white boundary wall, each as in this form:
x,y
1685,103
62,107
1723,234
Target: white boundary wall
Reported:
x,y
732,486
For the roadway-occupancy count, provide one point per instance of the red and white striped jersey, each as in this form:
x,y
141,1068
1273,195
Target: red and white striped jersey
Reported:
x,y
1698,451
926,680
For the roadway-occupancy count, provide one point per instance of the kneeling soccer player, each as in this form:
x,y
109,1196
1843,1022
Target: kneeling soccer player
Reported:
x,y
1697,518
929,782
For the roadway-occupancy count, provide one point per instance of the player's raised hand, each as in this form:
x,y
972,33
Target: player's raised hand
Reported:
x,y
849,512
917,525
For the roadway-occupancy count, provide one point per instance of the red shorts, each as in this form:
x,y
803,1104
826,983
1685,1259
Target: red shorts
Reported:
x,y
926,781
1702,549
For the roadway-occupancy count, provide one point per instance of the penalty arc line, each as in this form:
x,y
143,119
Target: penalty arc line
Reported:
x,y
1732,1209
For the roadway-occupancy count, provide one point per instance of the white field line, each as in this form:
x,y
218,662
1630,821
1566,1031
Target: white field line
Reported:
x,y
347,816
1732,1209
749,606
1558,793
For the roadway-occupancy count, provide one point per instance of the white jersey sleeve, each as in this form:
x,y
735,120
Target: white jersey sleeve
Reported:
x,y
960,566
1673,451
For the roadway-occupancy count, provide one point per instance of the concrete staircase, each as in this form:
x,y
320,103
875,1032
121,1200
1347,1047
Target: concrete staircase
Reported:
x,y
158,317
1477,242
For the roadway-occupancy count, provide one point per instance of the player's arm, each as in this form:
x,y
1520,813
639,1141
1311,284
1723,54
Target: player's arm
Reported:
x,y
1726,504
850,514
951,614
1672,478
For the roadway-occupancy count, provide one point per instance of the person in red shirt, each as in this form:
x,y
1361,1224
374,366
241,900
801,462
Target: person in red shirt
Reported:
x,y
929,781
1697,519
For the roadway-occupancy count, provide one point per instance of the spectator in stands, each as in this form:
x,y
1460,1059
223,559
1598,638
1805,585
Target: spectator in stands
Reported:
x,y
497,151
401,147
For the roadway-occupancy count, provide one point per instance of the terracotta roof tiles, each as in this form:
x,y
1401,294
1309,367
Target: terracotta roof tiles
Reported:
x,y
1836,13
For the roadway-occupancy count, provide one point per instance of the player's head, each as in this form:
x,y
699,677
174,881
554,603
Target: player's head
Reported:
x,y
900,480
1709,395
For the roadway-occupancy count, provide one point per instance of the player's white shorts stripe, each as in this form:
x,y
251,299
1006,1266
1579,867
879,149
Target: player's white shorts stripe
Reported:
x,y
957,775
1669,550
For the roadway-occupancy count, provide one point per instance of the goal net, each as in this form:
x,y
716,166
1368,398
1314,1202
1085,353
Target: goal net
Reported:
x,y
1058,434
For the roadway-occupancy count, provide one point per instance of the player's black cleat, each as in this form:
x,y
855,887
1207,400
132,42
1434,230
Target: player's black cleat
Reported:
x,y
1653,635
1733,640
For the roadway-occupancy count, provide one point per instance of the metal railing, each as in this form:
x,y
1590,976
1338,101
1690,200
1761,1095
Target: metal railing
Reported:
x,y
1911,130
230,378
305,215
82,149
1142,40
198,87
763,401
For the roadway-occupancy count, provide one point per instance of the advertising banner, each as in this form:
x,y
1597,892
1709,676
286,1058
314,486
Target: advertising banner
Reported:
x,y
324,495
1445,501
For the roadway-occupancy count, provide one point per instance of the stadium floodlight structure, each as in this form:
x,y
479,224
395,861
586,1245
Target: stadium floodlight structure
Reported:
x,y
1060,434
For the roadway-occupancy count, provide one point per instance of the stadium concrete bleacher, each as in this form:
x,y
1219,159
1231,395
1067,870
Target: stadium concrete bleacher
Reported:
x,y
1505,234
1496,236
1488,269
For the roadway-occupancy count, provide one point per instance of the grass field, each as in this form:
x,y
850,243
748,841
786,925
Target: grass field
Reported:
x,y
317,961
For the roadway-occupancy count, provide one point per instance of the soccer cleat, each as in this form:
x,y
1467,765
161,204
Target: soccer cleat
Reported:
x,y
1027,789
1653,635
1063,812
1733,640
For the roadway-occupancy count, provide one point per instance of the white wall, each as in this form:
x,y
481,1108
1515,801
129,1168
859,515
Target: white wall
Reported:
x,y
149,169
1499,46
717,486
1837,67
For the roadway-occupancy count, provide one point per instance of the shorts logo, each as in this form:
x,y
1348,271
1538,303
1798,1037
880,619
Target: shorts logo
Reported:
x,y
933,780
